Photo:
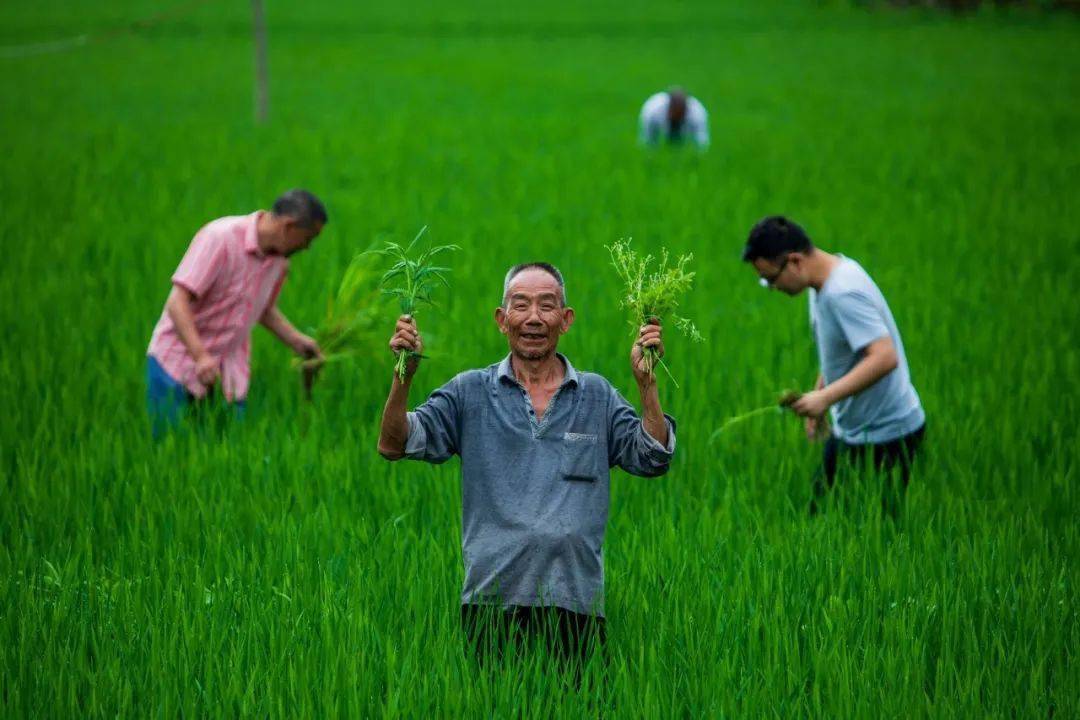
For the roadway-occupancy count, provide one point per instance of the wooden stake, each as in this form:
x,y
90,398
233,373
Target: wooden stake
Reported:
x,y
262,92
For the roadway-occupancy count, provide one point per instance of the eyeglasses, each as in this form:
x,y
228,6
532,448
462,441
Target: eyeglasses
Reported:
x,y
768,282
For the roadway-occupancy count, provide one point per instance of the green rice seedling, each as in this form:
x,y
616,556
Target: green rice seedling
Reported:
x,y
653,291
416,279
783,402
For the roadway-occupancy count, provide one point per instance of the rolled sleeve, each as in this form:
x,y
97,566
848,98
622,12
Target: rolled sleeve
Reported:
x,y
659,454
416,443
435,426
630,446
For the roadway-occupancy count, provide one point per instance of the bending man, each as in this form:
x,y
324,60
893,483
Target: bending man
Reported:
x,y
229,280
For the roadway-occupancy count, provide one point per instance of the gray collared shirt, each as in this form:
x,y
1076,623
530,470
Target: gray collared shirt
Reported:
x,y
534,493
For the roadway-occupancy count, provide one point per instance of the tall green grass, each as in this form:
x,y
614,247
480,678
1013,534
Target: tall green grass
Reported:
x,y
279,567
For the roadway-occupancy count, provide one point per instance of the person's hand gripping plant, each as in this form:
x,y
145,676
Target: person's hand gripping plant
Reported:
x,y
652,289
411,281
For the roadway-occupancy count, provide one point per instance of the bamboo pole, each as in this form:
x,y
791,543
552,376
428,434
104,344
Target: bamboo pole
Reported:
x,y
262,72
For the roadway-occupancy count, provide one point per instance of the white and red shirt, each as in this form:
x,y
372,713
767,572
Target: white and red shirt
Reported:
x,y
234,283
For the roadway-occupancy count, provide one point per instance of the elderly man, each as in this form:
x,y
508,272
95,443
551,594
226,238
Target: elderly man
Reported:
x,y
536,439
229,279
673,117
864,379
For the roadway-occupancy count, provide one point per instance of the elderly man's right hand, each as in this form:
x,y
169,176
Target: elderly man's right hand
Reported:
x,y
407,338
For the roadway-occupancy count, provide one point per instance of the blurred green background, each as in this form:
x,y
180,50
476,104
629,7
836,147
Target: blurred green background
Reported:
x,y
282,568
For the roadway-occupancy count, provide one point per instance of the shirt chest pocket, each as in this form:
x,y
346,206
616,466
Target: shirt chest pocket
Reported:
x,y
580,457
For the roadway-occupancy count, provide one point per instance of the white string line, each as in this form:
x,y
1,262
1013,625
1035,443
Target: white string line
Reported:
x,y
54,46
14,51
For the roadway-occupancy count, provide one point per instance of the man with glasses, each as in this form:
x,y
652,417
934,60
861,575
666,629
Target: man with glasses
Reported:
x,y
864,380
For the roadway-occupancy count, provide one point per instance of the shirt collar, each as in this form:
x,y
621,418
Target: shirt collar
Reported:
x,y
251,235
506,371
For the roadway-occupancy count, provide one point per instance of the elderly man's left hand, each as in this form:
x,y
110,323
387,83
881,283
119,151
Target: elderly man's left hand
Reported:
x,y
649,336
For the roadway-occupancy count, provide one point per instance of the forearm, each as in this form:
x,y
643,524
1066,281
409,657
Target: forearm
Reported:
x,y
866,372
394,429
276,322
652,414
179,309
820,382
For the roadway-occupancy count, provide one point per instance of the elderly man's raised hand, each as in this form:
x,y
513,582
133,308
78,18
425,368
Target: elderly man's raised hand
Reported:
x,y
407,338
650,335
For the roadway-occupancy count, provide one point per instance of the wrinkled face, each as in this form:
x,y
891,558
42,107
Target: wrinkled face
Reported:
x,y
533,315
296,237
785,273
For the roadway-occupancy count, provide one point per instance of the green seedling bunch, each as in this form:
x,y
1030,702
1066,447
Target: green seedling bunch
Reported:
x,y
412,280
353,318
652,288
353,313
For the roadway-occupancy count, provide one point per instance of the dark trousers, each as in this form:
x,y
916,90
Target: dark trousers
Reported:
x,y
890,461
168,402
492,631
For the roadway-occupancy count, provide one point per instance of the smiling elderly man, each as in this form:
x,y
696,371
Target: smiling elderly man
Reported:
x,y
537,439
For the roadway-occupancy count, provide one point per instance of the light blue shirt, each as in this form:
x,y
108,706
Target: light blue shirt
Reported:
x,y
847,314
534,493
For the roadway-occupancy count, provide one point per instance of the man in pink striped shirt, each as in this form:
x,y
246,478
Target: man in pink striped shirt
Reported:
x,y
229,279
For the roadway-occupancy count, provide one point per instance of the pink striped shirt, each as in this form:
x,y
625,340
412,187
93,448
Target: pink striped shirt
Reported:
x,y
233,283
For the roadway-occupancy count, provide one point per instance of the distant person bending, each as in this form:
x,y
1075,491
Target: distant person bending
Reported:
x,y
536,439
674,117
864,380
229,279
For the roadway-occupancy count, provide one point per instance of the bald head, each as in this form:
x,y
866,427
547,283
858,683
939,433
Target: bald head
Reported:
x,y
542,266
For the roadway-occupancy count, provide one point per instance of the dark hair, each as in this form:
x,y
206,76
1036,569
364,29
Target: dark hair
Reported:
x,y
774,236
546,267
301,206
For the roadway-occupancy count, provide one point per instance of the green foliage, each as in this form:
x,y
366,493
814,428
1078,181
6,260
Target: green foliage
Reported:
x,y
653,291
355,317
783,401
284,569
412,280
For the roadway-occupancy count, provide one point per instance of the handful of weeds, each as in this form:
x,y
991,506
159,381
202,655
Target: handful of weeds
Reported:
x,y
652,288
411,281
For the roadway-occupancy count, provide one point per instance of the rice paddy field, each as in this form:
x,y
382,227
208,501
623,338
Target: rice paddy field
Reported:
x,y
279,567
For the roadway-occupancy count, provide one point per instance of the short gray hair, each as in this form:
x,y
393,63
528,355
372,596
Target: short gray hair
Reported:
x,y
546,267
301,206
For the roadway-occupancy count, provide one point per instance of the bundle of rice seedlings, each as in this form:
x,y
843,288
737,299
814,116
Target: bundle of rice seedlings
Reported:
x,y
355,315
411,281
652,289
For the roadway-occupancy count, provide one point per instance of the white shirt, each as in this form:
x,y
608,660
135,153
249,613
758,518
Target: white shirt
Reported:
x,y
846,315
654,125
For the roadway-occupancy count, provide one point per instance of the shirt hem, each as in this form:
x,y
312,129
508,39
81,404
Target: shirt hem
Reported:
x,y
894,431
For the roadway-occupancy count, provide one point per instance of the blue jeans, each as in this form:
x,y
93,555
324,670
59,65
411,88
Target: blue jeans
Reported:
x,y
167,401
